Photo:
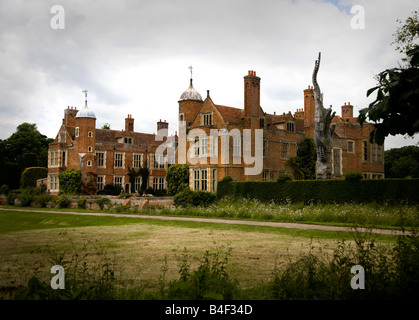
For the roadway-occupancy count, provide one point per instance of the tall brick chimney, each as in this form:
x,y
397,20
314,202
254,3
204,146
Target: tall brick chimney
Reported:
x,y
347,110
164,127
251,95
129,123
69,116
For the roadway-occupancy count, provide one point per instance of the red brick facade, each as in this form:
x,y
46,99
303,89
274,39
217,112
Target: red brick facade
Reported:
x,y
281,137
104,156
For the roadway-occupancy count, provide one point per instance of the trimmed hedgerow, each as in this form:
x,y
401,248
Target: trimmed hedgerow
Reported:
x,y
30,175
324,191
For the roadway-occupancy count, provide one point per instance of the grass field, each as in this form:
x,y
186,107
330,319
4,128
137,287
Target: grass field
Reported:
x,y
142,251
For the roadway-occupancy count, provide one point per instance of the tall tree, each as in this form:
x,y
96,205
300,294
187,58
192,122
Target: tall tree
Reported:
x,y
402,162
26,139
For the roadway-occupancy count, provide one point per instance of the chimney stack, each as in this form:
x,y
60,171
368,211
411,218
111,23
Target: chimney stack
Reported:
x,y
129,123
252,95
163,128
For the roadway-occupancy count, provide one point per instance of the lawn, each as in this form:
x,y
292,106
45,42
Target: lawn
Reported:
x,y
142,251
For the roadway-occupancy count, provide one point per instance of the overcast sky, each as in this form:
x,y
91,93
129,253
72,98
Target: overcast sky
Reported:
x,y
133,56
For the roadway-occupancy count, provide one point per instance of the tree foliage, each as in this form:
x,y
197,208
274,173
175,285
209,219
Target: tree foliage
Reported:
x,y
396,107
402,162
177,178
26,140
70,181
304,164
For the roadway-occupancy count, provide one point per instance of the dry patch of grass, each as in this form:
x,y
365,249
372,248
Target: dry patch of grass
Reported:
x,y
139,251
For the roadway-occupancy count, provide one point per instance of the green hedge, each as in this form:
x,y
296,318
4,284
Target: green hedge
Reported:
x,y
324,191
31,174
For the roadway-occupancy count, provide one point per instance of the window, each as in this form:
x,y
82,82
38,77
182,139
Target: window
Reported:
x,y
236,146
64,163
137,183
62,137
284,150
365,150
214,180
181,118
196,179
138,160
196,147
262,122
377,151
265,176
118,181
337,162
206,119
100,182
158,183
265,148
77,132
90,134
203,146
213,146
53,182
89,149
290,126
128,140
54,158
351,146
100,156
159,161
204,181
119,157
89,163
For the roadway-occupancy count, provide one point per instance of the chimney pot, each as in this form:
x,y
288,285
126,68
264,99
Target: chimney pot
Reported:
x,y
349,103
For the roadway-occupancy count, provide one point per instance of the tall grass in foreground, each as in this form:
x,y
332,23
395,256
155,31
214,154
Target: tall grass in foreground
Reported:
x,y
391,272
370,214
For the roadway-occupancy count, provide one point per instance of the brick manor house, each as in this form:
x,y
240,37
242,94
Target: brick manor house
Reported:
x,y
282,134
108,154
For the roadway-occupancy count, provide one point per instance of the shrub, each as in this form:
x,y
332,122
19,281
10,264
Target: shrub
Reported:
x,y
63,201
102,202
42,200
353,177
284,178
70,181
12,196
30,175
227,179
177,177
25,199
4,189
194,198
81,203
111,190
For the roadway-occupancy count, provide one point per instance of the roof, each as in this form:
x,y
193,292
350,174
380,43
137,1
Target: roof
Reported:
x,y
110,136
338,119
191,94
230,114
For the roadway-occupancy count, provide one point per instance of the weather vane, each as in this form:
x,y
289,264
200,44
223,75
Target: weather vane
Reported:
x,y
85,96
190,68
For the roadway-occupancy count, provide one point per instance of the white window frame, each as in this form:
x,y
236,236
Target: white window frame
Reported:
x,y
137,160
101,159
119,159
353,146
53,182
119,181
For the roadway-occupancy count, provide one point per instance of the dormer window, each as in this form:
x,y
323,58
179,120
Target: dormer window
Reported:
x,y
206,119
128,140
62,137
290,127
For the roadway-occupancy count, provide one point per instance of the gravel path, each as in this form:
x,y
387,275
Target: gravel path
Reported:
x,y
225,221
